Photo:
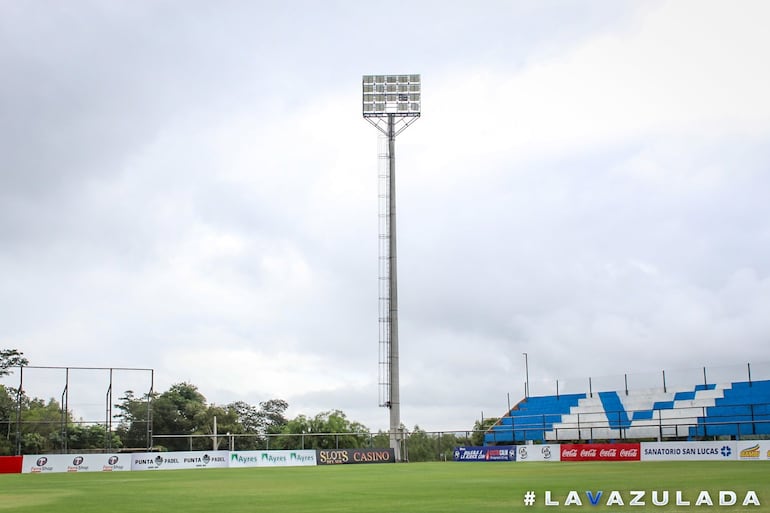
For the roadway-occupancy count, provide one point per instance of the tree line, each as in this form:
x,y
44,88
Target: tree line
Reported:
x,y
181,418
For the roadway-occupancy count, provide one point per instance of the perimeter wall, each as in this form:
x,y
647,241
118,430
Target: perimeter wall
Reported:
x,y
749,450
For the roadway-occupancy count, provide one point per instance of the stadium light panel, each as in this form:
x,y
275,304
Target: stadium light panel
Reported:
x,y
393,94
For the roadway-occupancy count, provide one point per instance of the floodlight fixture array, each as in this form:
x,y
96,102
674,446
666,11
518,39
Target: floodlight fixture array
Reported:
x,y
398,97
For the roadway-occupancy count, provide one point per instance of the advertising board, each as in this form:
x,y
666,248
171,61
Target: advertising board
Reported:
x,y
545,452
45,463
272,458
11,464
688,451
753,450
179,460
348,456
600,452
491,453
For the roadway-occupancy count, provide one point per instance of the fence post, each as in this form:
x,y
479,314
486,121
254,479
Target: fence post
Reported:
x,y
580,435
149,410
19,394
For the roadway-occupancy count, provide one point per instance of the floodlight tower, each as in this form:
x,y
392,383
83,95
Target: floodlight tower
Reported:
x,y
390,103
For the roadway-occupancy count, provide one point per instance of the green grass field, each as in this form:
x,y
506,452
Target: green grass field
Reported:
x,y
410,488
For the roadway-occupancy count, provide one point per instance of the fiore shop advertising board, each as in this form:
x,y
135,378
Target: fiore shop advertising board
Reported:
x,y
179,460
689,451
545,452
44,463
272,458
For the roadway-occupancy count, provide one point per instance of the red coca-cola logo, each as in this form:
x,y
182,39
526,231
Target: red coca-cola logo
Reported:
x,y
604,452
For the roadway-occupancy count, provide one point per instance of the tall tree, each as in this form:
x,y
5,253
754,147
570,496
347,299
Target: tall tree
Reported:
x,y
248,417
135,414
254,424
8,407
480,427
11,358
272,415
91,437
327,430
181,410
43,426
421,446
9,400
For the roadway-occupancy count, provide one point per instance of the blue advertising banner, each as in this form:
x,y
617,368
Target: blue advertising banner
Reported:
x,y
496,453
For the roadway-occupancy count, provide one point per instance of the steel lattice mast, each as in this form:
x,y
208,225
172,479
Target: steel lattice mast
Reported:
x,y
390,103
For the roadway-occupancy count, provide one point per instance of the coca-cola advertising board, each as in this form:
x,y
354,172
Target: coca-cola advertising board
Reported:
x,y
601,452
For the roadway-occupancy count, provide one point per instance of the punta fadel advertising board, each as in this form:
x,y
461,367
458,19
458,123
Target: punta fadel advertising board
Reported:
x,y
273,458
45,463
179,460
600,452
348,456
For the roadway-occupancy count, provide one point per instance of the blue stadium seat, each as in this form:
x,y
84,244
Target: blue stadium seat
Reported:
x,y
531,418
737,409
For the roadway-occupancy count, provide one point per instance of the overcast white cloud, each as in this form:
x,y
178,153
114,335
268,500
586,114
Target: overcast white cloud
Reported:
x,y
190,187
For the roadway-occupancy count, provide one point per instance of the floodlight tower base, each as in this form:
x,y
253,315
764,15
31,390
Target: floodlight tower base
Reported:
x,y
395,394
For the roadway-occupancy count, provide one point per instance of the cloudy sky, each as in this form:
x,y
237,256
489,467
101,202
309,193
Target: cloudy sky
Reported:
x,y
189,186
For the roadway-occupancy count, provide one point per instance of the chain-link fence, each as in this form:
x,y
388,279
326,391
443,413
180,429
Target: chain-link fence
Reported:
x,y
415,445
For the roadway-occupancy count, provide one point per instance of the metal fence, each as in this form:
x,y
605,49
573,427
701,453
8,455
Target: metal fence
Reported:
x,y
417,446
656,380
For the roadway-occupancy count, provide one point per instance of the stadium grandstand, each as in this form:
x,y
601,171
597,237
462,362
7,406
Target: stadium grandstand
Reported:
x,y
729,410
